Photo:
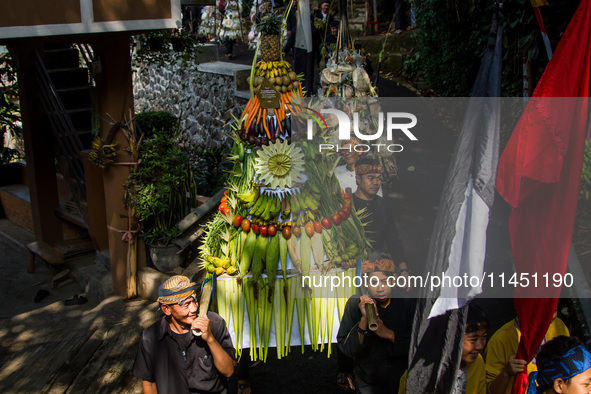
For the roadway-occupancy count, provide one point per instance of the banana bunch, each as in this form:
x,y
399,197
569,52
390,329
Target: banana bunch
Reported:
x,y
250,198
266,207
305,204
219,265
278,73
286,208
309,199
272,69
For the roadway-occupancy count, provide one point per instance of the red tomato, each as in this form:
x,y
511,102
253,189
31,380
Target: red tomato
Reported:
x,y
227,210
309,229
326,222
245,225
347,204
286,232
226,192
255,228
317,227
346,196
343,215
336,219
347,211
224,200
342,192
296,231
272,230
237,221
264,231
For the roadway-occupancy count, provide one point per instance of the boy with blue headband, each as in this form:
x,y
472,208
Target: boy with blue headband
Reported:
x,y
564,366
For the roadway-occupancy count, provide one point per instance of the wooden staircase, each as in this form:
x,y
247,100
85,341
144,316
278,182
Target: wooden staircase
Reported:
x,y
73,84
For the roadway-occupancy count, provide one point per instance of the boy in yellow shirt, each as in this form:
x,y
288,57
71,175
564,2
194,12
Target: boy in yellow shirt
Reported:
x,y
501,364
471,378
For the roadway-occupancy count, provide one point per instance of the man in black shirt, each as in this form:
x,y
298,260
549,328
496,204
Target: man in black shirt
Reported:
x,y
382,226
171,359
381,356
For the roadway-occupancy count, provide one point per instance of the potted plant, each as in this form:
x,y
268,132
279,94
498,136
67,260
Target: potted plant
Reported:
x,y
161,190
155,41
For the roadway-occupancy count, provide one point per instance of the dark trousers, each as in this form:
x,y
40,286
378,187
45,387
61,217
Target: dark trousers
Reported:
x,y
304,63
399,19
229,44
346,364
362,387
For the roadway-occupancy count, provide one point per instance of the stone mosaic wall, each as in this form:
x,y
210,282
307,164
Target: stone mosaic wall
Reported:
x,y
204,101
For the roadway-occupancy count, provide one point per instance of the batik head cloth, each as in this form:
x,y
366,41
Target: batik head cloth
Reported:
x,y
175,290
384,265
362,169
577,360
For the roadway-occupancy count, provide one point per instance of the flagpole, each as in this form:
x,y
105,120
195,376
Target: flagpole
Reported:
x,y
547,44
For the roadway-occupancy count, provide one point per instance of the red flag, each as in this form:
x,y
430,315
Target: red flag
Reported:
x,y
539,176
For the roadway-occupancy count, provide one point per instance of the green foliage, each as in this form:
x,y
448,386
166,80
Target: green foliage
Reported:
x,y
270,24
522,39
10,117
210,169
412,65
166,47
448,54
151,122
246,6
452,37
161,189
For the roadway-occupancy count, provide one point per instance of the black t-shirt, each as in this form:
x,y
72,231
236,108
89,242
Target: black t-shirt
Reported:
x,y
183,340
162,359
378,362
381,227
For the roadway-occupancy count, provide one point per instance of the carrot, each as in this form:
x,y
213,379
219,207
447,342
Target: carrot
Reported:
x,y
265,124
281,109
254,110
247,124
248,106
278,120
251,114
259,112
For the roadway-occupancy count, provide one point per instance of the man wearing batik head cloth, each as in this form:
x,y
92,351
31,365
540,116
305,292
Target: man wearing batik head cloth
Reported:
x,y
564,366
346,173
171,359
382,224
381,356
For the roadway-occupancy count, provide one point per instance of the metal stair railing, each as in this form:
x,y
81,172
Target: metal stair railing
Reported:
x,y
88,55
61,124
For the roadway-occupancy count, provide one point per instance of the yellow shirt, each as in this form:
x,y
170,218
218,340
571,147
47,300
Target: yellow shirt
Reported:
x,y
475,380
504,343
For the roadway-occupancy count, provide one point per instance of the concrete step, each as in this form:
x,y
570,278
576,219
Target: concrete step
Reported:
x,y
240,72
92,276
